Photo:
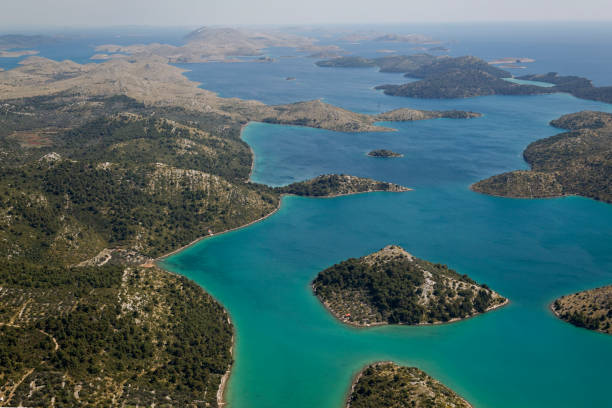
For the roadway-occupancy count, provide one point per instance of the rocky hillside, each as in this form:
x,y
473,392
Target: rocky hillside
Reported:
x,y
407,115
109,335
591,309
384,385
393,287
578,162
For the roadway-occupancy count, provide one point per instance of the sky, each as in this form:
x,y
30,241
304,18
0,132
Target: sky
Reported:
x,y
78,13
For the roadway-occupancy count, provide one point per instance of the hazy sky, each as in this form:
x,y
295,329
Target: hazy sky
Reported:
x,y
21,13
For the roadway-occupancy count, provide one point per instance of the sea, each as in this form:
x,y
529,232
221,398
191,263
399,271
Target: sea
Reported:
x,y
289,351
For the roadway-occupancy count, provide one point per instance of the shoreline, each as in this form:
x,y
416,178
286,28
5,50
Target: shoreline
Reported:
x,y
203,237
221,402
221,391
359,374
527,198
248,180
192,243
378,324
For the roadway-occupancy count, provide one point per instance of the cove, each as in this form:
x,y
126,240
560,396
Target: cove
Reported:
x,y
291,352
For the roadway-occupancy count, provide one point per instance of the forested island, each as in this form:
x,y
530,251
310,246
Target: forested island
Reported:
x,y
383,385
384,153
464,77
578,162
331,185
591,309
393,287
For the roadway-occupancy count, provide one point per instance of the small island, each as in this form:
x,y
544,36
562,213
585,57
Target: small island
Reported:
x,y
577,162
333,185
384,153
383,385
393,287
591,309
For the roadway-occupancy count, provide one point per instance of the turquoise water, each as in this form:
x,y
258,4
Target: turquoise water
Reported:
x,y
291,352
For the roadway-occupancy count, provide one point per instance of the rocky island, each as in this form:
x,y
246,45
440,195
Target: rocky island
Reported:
x,y
333,185
591,309
393,287
578,162
384,153
383,385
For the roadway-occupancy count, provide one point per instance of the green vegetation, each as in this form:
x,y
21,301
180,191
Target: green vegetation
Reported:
x,y
386,385
334,184
576,162
464,77
460,77
348,62
591,309
393,287
107,336
92,189
578,86
113,174
393,63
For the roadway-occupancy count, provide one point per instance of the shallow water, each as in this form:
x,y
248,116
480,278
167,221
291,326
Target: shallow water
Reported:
x,y
291,352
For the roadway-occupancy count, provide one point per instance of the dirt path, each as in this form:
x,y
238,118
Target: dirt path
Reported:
x,y
10,396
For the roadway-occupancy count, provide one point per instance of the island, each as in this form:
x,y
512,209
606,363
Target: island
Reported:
x,y
591,309
318,114
17,54
384,153
207,44
384,384
392,286
467,76
333,185
578,162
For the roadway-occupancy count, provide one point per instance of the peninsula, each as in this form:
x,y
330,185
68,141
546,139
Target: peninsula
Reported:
x,y
591,309
578,162
393,287
383,385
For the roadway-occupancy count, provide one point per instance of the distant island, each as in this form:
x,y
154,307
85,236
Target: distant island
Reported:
x,y
393,287
578,162
358,36
384,385
591,309
208,44
17,41
318,114
384,153
467,76
331,185
17,54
